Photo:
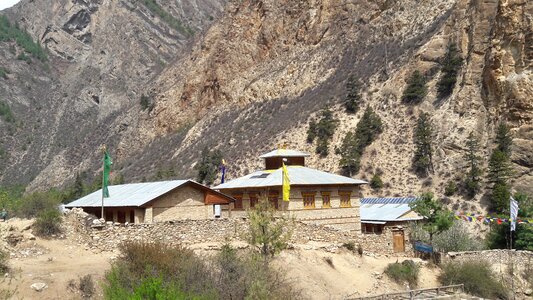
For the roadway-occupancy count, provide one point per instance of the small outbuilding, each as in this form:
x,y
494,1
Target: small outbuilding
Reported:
x,y
150,202
389,218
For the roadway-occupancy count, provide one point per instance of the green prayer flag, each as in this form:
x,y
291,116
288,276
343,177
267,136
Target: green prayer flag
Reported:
x,y
105,177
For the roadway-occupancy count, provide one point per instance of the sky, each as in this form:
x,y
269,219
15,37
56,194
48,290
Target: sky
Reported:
x,y
7,3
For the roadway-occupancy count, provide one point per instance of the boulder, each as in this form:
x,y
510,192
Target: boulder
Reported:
x,y
39,286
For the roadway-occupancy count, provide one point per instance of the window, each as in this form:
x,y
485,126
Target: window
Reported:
x,y
345,199
309,200
326,203
238,202
373,228
273,199
253,200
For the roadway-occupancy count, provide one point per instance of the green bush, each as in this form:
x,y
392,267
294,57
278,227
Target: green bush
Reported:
x,y
477,277
10,32
6,113
147,103
48,223
416,89
407,271
450,188
3,72
376,182
33,204
456,238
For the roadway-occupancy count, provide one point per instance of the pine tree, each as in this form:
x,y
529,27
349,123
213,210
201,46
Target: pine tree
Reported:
x,y
416,89
500,169
208,166
322,131
354,143
450,68
472,180
423,158
504,140
353,97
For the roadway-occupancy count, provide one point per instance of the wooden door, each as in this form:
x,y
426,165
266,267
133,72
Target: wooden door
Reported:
x,y
398,241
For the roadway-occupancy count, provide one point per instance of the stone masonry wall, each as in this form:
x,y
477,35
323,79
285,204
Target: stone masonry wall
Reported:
x,y
518,257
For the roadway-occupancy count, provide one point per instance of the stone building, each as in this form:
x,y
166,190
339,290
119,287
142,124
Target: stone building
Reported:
x,y
315,197
387,220
156,202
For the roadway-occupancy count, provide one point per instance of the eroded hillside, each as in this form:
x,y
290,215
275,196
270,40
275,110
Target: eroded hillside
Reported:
x,y
261,70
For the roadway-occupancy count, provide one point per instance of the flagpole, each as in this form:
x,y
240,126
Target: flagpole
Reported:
x,y
103,179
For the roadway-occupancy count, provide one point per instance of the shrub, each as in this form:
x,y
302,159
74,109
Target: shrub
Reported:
x,y
407,271
147,103
6,113
376,182
349,245
4,256
416,89
450,188
477,277
48,223
3,72
456,238
33,204
360,250
329,260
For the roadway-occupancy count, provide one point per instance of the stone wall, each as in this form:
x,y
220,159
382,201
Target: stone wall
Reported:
x,y
518,257
187,232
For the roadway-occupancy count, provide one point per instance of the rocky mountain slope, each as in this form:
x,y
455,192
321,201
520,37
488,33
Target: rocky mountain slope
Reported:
x,y
250,74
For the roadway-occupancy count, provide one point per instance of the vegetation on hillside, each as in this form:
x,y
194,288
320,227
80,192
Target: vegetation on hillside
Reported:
x,y
451,65
500,170
208,166
376,182
352,101
472,180
416,89
322,131
423,139
477,277
437,218
147,103
3,72
354,143
6,113
455,238
10,32
404,272
155,8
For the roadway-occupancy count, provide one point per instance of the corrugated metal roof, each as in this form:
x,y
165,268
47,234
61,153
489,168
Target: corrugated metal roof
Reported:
x,y
133,194
396,200
284,153
385,212
298,175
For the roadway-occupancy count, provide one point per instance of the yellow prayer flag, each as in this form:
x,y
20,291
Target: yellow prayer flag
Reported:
x,y
286,183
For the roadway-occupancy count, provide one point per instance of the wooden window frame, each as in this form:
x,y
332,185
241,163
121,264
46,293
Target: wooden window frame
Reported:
x,y
328,195
306,195
238,199
254,196
343,194
273,198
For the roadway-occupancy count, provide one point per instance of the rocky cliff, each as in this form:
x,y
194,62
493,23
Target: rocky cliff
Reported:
x,y
246,76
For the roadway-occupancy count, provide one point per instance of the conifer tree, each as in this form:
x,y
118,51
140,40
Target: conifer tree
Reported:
x,y
500,169
208,166
353,96
423,159
354,143
472,180
322,131
416,89
450,68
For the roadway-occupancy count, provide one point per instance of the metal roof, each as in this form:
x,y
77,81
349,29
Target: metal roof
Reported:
x,y
396,200
133,194
284,153
298,175
385,212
